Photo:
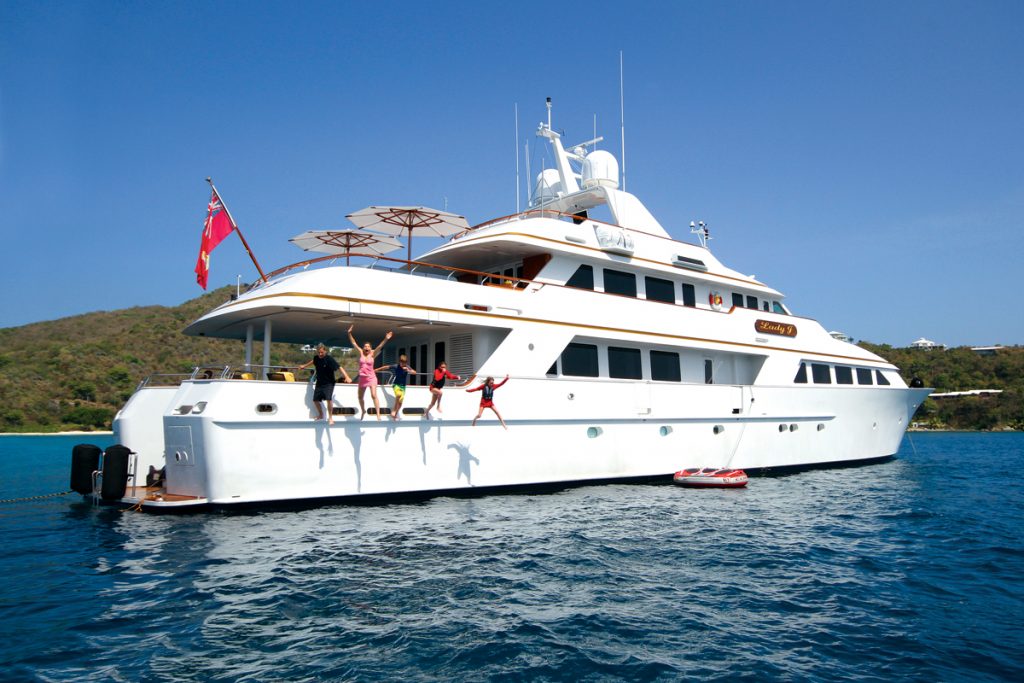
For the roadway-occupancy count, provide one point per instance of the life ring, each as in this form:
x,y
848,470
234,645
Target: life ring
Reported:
x,y
715,299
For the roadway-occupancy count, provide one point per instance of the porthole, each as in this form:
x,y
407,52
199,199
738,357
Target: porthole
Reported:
x,y
821,427
794,427
594,432
266,408
783,428
665,430
718,429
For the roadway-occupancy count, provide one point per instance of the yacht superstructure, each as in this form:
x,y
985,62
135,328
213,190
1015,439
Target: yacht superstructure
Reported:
x,y
631,355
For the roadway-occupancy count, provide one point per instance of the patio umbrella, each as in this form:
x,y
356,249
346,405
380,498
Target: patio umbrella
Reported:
x,y
409,220
348,242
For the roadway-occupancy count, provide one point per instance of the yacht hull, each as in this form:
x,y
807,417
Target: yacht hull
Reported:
x,y
232,453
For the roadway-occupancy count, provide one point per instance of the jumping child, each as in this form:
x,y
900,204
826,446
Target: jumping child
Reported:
x,y
402,370
487,398
440,375
367,376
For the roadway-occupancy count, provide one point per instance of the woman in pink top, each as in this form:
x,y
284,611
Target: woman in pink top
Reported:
x,y
367,377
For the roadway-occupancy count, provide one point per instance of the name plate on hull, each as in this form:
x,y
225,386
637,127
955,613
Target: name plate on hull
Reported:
x,y
770,327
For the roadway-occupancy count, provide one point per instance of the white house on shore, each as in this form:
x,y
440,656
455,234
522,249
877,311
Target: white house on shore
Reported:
x,y
928,344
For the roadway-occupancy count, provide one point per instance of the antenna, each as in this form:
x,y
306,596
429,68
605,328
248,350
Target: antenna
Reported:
x,y
622,120
529,178
517,157
700,229
549,113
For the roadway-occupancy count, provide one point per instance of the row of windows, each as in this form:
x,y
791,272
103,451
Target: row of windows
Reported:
x,y
821,373
656,289
581,360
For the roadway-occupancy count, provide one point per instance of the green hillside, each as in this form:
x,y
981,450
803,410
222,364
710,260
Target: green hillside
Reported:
x,y
74,373
960,369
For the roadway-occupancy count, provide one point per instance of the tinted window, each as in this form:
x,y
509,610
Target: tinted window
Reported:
x,y
821,373
709,371
583,278
764,305
624,363
844,375
777,308
752,302
689,295
553,370
801,374
864,376
665,366
881,378
580,360
617,282
660,290
737,300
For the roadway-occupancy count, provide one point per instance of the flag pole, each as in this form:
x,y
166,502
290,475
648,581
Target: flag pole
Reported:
x,y
234,225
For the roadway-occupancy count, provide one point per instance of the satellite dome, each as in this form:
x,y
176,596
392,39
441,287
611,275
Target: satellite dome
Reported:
x,y
600,169
549,186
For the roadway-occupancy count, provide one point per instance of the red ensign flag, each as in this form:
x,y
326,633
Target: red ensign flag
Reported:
x,y
217,227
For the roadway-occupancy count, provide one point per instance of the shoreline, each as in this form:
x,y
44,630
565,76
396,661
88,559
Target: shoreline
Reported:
x,y
71,433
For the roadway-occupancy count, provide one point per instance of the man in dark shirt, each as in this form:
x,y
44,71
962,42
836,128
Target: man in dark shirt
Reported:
x,y
325,366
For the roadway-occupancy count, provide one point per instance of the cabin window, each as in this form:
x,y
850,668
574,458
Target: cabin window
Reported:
x,y
580,360
882,381
737,300
709,371
864,376
822,374
764,305
801,374
583,278
618,282
624,363
665,366
777,308
553,370
752,302
844,374
689,295
660,290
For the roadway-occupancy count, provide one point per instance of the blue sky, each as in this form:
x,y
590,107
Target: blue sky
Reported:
x,y
864,158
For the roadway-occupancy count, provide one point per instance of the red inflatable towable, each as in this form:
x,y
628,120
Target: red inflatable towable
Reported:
x,y
710,477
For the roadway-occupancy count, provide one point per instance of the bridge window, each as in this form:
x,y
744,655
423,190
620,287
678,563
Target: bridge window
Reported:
x,y
583,278
580,360
752,302
844,374
822,374
737,300
864,376
881,378
660,290
801,374
624,363
665,366
689,295
618,282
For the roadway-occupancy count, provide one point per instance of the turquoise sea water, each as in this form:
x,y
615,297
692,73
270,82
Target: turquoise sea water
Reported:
x,y
906,570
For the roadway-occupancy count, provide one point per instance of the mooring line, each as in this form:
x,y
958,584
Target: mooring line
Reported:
x,y
27,498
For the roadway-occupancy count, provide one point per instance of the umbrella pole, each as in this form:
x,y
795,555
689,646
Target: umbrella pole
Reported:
x,y
409,252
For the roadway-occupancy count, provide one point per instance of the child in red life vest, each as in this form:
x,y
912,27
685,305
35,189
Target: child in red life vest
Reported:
x,y
487,398
440,375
